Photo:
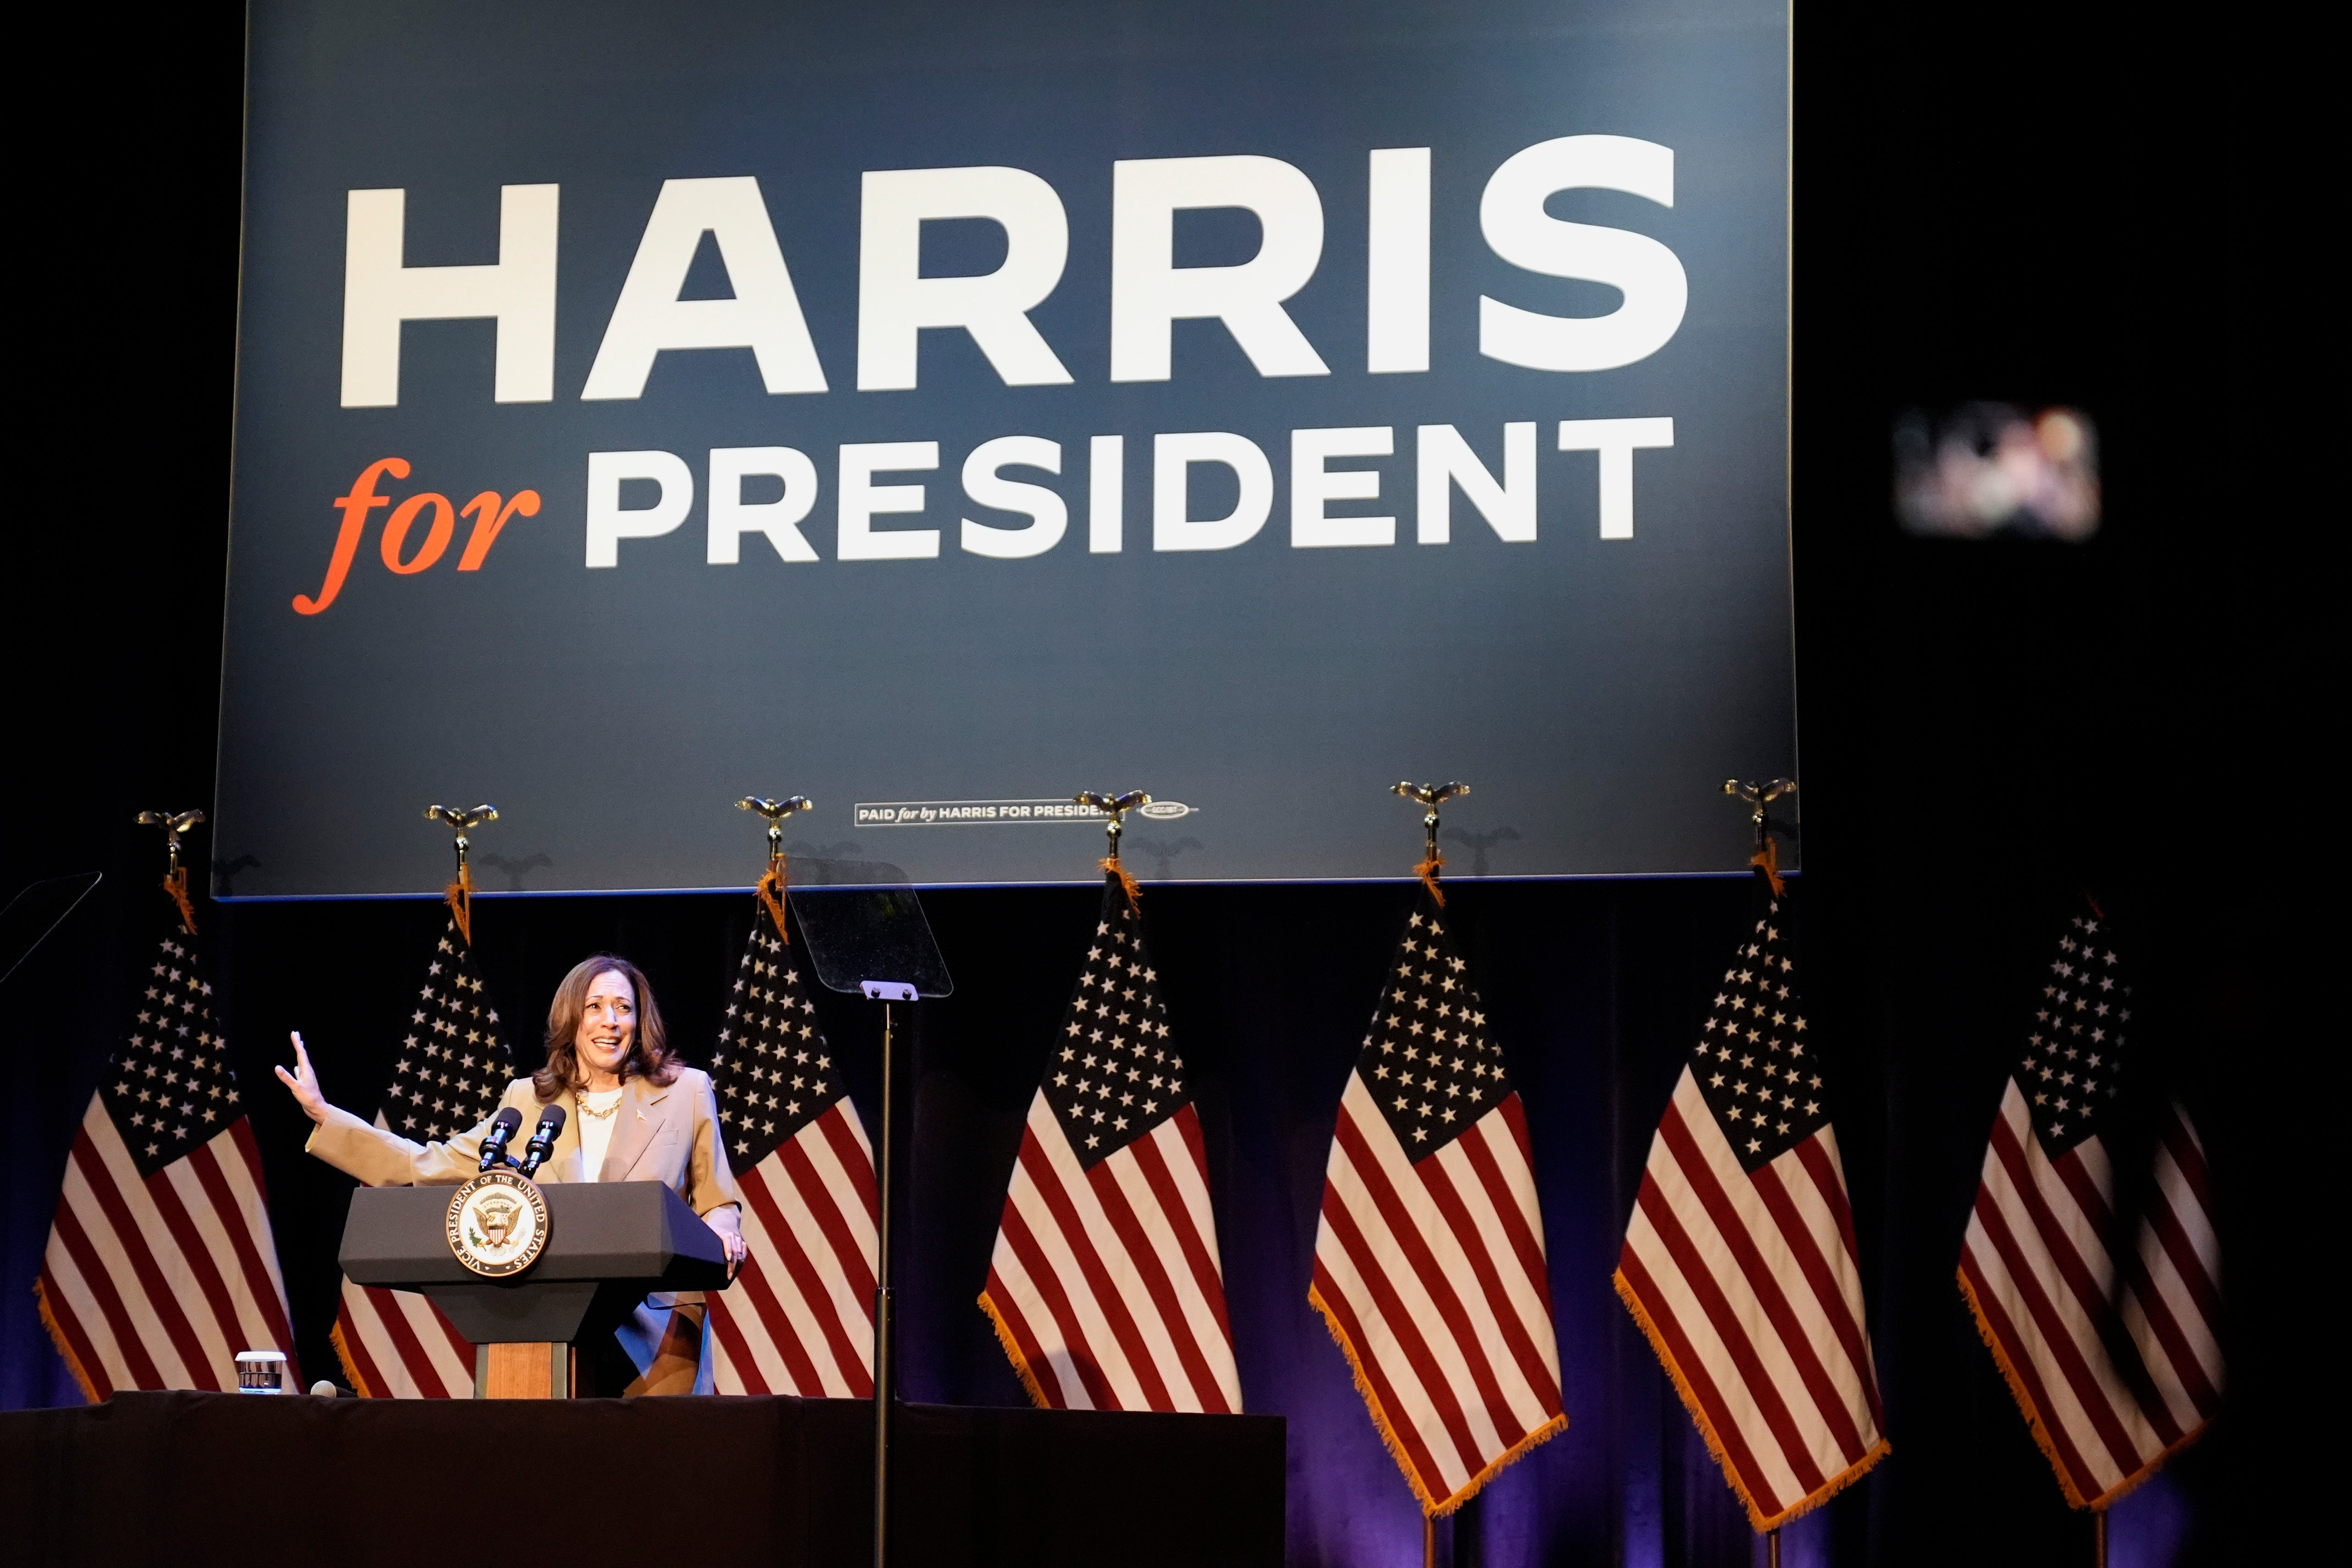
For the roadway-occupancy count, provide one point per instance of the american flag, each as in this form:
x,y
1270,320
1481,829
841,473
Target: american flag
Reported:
x,y
1429,1259
1740,1260
1104,1285
452,1067
799,1316
160,1266
2111,1347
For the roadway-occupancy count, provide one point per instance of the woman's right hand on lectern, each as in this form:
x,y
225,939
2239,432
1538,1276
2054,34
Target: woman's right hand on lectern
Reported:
x,y
303,1082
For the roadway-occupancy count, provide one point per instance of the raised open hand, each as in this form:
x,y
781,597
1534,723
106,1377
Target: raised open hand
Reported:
x,y
303,1082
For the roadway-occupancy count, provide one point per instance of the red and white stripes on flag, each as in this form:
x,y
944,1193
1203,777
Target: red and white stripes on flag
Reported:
x,y
160,1266
1431,1278
800,1317
395,1344
157,1282
2110,1346
1429,1257
1104,1285
2172,1308
1749,1288
446,1077
2113,1355
1740,1260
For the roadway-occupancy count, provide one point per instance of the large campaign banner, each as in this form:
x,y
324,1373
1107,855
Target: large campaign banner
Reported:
x,y
939,409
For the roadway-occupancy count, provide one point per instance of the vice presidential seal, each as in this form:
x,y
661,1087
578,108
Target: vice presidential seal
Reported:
x,y
497,1223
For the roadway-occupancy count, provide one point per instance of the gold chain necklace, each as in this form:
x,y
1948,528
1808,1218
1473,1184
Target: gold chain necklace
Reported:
x,y
588,1109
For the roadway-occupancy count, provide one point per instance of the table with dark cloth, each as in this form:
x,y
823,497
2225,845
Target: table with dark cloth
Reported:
x,y
194,1479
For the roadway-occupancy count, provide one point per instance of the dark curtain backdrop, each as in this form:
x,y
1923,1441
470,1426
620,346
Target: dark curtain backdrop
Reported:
x,y
1595,989
1998,201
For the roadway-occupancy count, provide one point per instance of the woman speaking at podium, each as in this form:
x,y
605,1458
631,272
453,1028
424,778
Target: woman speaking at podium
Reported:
x,y
632,1114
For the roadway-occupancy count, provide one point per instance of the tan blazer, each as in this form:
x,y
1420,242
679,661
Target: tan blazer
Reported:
x,y
667,1134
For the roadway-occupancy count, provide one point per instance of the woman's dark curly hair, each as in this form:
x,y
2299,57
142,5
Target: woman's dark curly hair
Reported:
x,y
649,1057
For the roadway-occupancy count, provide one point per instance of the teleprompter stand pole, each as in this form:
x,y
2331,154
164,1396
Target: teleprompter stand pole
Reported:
x,y
886,1343
854,933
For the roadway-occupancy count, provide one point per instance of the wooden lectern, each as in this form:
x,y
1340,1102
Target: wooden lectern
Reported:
x,y
608,1247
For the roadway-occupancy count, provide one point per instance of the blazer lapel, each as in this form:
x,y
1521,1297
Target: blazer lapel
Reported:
x,y
639,1120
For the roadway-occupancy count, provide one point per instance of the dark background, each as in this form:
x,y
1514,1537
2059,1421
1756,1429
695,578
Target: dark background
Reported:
x,y
2001,200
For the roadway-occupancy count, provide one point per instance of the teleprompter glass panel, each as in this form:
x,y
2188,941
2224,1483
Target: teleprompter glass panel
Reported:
x,y
857,934
37,911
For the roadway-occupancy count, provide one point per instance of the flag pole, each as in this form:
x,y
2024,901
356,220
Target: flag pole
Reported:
x,y
1429,797
460,894
1116,807
771,883
1767,857
175,876
2099,1538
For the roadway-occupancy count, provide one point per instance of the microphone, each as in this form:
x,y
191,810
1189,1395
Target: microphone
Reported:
x,y
494,1141
542,1139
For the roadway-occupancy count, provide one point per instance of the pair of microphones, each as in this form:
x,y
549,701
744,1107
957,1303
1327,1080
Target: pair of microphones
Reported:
x,y
535,1153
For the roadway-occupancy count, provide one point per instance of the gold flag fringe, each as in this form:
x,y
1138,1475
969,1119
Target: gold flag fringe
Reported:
x,y
459,896
1021,1367
772,894
350,1363
1758,1520
1427,871
176,884
58,1338
1134,893
1431,1507
2041,1438
1767,860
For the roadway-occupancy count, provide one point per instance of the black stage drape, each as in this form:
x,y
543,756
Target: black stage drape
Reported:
x,y
1596,991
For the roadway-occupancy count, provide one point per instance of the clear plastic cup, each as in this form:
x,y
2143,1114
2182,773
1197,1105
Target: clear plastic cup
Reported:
x,y
261,1372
